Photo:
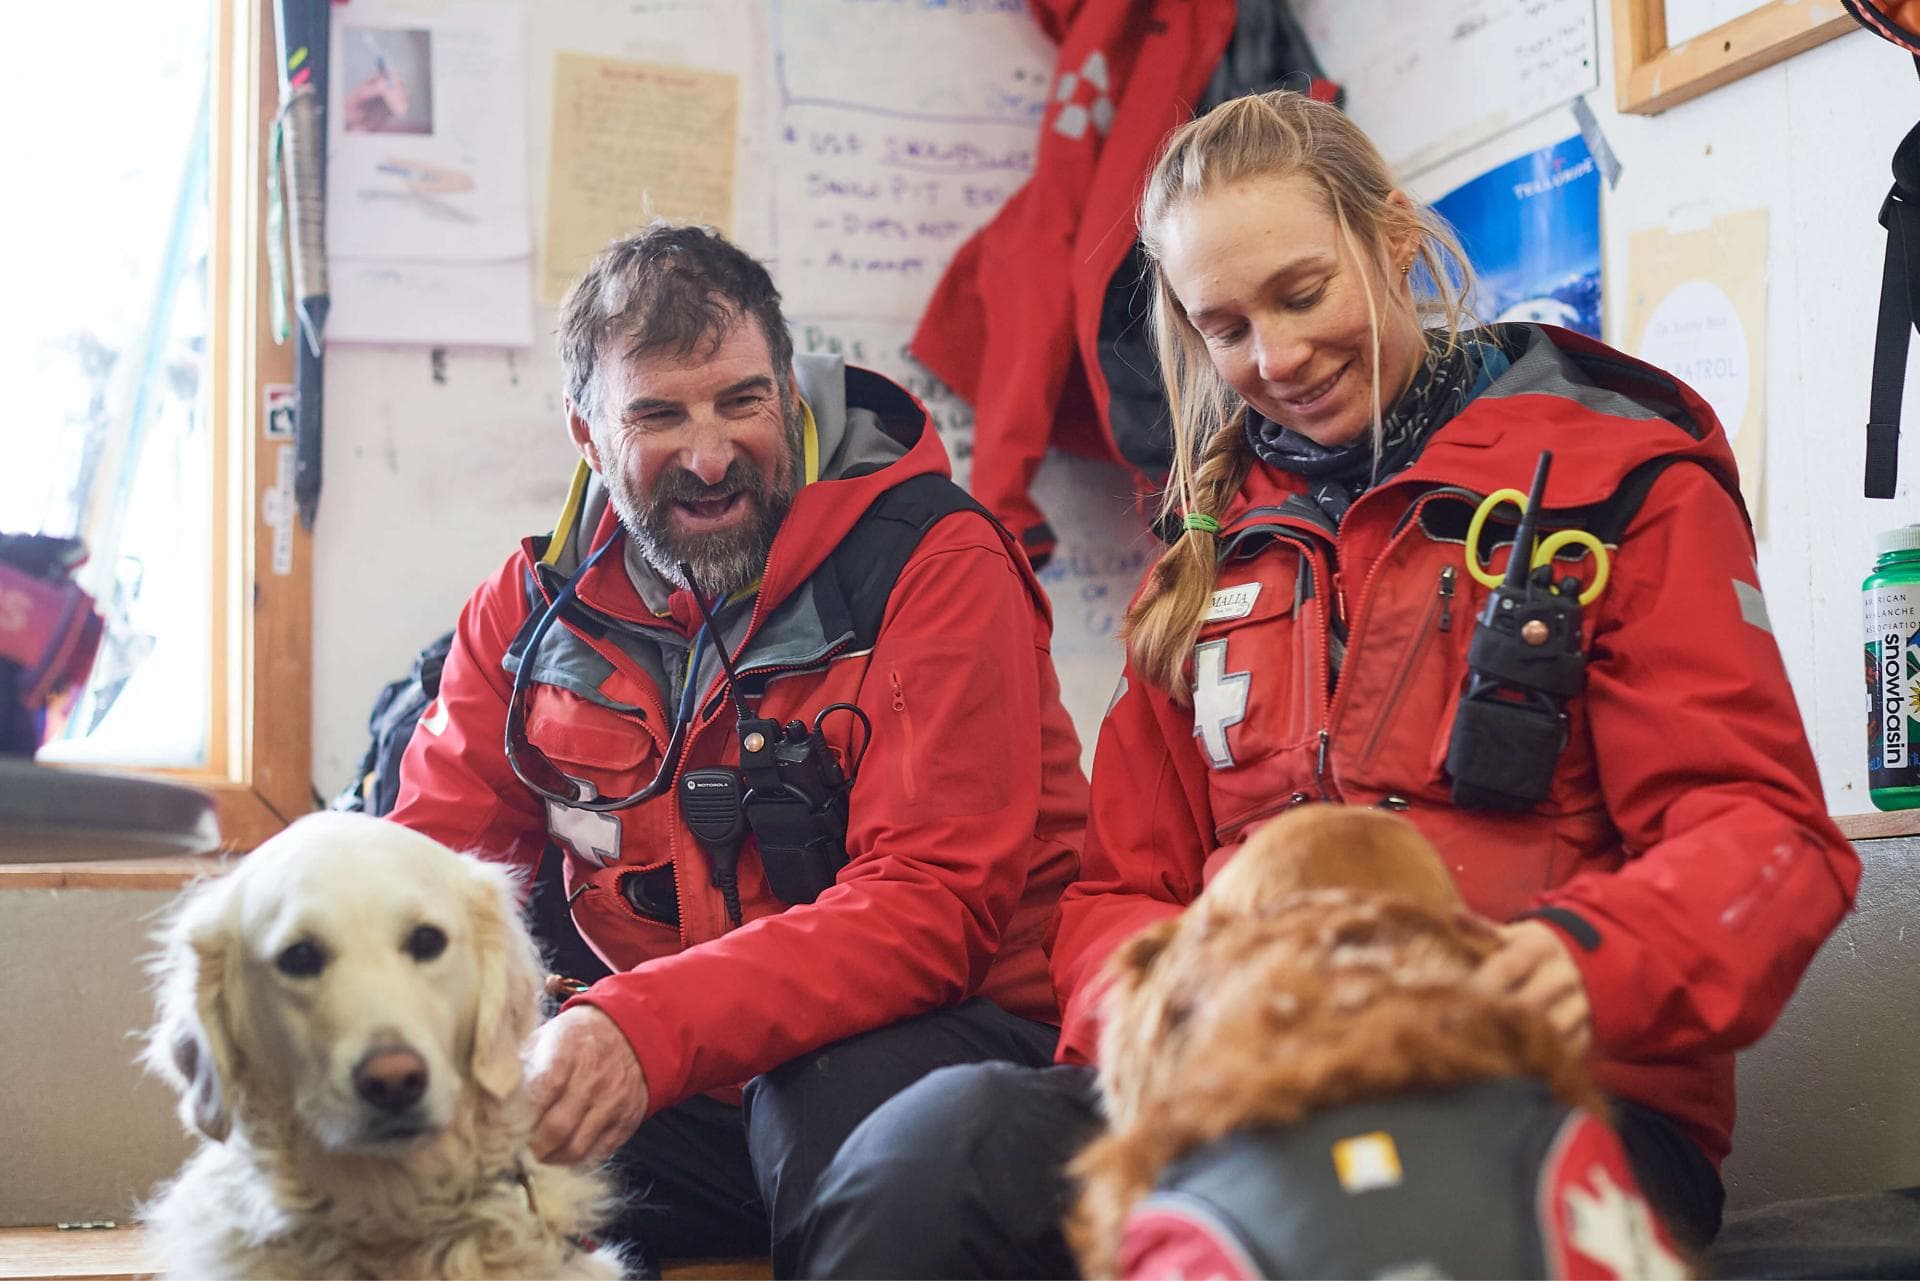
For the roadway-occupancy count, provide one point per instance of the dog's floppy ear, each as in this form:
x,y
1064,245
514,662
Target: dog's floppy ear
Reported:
x,y
508,1004
191,1043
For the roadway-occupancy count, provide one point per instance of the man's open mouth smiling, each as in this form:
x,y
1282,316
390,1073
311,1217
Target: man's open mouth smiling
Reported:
x,y
702,513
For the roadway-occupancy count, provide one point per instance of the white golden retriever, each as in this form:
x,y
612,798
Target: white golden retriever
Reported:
x,y
342,1014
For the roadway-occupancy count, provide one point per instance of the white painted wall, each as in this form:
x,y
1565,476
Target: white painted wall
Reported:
x,y
429,480
88,1132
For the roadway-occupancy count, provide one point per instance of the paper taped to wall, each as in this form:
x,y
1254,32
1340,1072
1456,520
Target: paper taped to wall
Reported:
x,y
631,142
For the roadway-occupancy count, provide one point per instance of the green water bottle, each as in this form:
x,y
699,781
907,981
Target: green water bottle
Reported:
x,y
1891,600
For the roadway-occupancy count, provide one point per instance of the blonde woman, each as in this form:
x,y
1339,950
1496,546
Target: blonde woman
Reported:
x,y
1307,639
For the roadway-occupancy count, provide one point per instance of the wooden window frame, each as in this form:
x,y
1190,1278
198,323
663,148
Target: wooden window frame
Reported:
x,y
259,750
1649,77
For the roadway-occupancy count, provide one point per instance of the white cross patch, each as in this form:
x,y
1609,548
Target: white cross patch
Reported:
x,y
1219,701
594,838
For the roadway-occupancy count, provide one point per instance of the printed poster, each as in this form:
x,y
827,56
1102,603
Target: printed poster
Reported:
x,y
427,148
1531,229
1697,308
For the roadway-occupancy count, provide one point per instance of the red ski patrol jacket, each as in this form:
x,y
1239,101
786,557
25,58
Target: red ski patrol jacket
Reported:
x,y
965,814
1685,852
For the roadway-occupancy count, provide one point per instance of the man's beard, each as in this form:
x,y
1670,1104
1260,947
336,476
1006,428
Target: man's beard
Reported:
x,y
722,561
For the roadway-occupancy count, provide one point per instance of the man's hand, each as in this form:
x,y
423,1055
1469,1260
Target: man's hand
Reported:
x,y
589,1094
1533,966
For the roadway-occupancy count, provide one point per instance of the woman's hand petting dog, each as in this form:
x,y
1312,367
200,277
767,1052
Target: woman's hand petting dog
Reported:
x,y
588,1091
1534,966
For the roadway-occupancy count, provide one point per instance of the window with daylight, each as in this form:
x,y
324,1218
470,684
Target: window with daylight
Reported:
x,y
133,363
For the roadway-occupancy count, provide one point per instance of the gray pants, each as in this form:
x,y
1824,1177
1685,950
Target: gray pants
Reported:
x,y
706,1178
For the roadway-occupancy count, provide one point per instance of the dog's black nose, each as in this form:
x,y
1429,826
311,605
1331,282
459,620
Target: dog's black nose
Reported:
x,y
392,1080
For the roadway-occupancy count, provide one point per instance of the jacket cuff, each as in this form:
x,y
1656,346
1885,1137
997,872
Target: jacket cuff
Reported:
x,y
1612,969
1576,927
648,1036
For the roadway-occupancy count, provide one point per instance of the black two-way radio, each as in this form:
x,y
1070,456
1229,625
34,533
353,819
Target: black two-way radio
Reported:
x,y
710,806
789,791
1523,665
796,804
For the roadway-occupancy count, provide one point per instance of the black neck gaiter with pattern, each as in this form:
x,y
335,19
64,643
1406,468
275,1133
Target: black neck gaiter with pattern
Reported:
x,y
1441,388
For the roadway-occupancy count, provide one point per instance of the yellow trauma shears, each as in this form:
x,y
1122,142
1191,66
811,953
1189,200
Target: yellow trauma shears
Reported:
x,y
1544,551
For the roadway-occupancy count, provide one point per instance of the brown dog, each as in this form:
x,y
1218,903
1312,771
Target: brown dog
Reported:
x,y
1327,963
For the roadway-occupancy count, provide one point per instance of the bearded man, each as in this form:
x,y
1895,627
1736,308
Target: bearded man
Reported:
x,y
818,869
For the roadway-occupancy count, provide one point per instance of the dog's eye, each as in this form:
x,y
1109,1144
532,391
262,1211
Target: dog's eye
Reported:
x,y
426,942
301,960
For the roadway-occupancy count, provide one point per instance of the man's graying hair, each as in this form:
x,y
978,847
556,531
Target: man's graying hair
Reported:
x,y
665,288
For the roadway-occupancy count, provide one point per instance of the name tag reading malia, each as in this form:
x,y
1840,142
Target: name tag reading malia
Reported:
x,y
1233,602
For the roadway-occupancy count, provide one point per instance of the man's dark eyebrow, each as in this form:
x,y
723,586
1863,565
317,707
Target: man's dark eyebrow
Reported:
x,y
635,408
753,382
648,405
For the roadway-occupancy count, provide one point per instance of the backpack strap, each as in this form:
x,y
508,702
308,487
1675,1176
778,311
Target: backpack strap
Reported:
x,y
1608,519
869,560
1899,286
1900,215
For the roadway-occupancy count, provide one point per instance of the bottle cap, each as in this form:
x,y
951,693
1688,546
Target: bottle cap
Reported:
x,y
1904,539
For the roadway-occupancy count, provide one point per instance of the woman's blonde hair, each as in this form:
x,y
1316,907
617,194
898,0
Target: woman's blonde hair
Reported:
x,y
1269,135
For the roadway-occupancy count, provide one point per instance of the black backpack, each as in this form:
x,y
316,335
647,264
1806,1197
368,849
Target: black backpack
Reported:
x,y
396,710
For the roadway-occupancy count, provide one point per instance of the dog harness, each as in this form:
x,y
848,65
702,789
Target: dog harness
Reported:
x,y
1497,1178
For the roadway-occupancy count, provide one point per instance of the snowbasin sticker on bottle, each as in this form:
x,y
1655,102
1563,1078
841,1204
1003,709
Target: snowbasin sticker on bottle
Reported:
x,y
1893,680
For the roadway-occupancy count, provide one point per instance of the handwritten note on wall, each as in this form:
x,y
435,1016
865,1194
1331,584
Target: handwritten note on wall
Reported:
x,y
882,177
1430,80
872,209
631,142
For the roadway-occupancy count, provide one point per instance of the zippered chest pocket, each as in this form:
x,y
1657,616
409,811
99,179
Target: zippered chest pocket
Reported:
x,y
607,748
1403,675
613,754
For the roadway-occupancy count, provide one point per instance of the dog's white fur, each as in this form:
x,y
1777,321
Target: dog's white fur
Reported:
x,y
300,1176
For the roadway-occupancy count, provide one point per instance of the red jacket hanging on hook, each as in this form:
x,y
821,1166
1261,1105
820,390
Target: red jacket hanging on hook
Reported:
x,y
1012,324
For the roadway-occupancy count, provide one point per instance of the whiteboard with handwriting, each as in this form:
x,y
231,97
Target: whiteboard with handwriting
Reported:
x,y
1475,68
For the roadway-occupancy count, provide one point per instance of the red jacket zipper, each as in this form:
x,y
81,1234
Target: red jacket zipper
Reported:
x,y
1438,618
907,784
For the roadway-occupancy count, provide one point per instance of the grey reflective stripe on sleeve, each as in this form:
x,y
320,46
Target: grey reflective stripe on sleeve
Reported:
x,y
1753,605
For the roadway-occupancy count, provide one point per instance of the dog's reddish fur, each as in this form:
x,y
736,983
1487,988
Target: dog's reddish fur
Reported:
x,y
1328,962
